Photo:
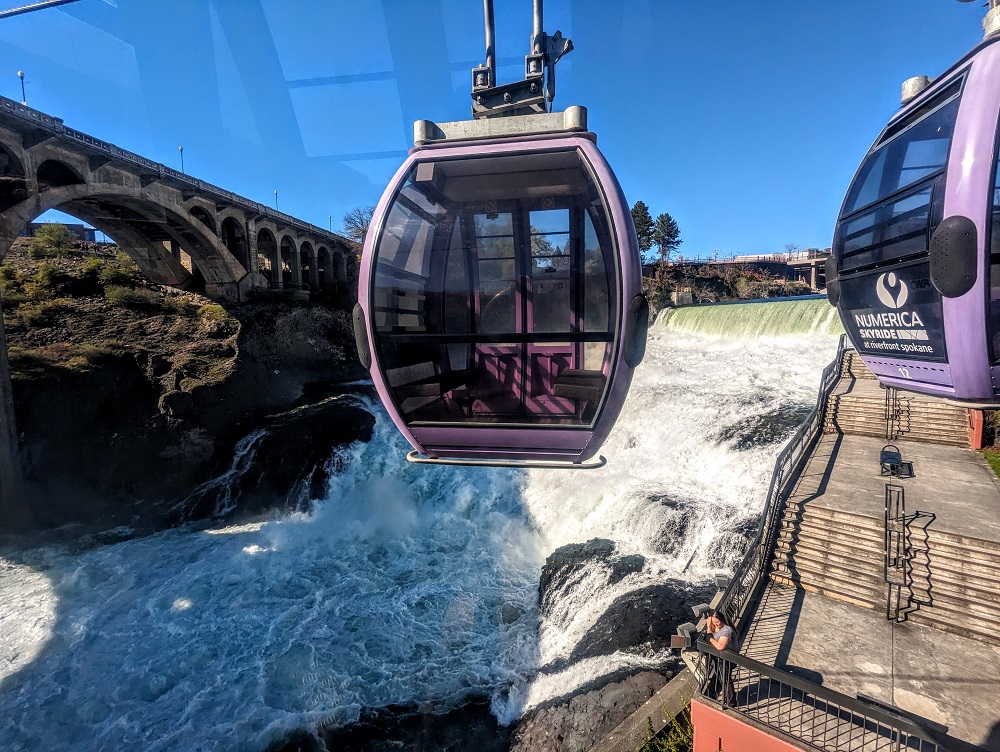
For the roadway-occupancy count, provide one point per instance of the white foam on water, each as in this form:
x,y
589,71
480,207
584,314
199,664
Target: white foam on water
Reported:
x,y
409,583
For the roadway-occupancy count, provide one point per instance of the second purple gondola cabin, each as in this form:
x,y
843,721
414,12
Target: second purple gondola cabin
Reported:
x,y
915,267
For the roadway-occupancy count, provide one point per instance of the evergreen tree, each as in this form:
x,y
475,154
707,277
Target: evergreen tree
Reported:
x,y
667,235
643,225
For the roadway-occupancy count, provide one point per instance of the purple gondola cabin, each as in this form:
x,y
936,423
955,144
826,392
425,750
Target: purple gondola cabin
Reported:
x,y
500,307
915,266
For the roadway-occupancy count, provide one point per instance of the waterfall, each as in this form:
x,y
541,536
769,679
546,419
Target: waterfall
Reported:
x,y
406,583
813,316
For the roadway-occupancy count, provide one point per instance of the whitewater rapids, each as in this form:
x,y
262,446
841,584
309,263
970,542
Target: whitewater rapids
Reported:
x,y
407,584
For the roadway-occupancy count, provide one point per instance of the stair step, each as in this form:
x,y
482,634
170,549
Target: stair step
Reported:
x,y
982,555
977,581
961,628
868,584
865,585
825,589
942,588
808,525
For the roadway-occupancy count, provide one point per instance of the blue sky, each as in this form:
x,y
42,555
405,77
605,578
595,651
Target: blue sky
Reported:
x,y
745,121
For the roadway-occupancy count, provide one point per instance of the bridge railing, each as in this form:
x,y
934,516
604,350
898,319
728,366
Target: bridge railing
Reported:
x,y
56,126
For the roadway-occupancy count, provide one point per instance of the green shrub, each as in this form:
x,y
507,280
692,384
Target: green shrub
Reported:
x,y
36,291
47,275
46,313
13,299
111,275
51,240
124,262
213,312
678,736
127,297
179,306
93,265
8,274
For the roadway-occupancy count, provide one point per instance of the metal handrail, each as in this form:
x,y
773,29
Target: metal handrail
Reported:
x,y
897,554
750,575
743,694
750,572
55,125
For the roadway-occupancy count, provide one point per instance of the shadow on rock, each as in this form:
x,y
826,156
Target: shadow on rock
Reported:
x,y
471,727
642,620
286,463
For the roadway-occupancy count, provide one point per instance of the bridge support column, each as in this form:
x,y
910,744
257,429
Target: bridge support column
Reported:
x,y
296,262
314,271
11,469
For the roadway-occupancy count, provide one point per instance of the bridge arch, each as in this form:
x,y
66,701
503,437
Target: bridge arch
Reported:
x,y
338,266
201,214
267,263
234,238
13,186
307,269
55,174
323,267
289,264
144,228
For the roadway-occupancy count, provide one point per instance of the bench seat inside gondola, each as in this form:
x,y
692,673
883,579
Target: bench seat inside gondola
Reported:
x,y
420,380
576,383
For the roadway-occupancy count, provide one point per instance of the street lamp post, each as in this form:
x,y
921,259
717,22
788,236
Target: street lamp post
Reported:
x,y
181,150
276,199
24,99
330,217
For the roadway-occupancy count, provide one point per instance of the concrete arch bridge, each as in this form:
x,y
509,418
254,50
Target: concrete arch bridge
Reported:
x,y
181,231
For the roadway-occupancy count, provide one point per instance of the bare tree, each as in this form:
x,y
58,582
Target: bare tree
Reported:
x,y
356,223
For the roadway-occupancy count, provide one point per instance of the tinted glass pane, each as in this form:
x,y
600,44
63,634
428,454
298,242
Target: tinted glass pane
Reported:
x,y
993,325
551,307
907,153
894,230
492,299
597,281
458,305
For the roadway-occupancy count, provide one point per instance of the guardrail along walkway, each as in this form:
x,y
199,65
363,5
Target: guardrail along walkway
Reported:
x,y
823,615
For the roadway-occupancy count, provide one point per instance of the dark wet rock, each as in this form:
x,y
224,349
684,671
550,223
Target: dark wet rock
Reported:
x,y
563,564
624,566
288,460
672,530
761,430
584,719
642,621
566,561
728,548
471,727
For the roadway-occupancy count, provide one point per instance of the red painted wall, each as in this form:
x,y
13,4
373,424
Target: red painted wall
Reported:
x,y
976,429
714,731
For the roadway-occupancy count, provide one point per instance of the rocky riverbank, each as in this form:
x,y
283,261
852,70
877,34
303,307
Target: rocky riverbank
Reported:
x,y
128,395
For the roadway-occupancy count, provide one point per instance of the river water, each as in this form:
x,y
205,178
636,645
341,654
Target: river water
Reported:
x,y
407,583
